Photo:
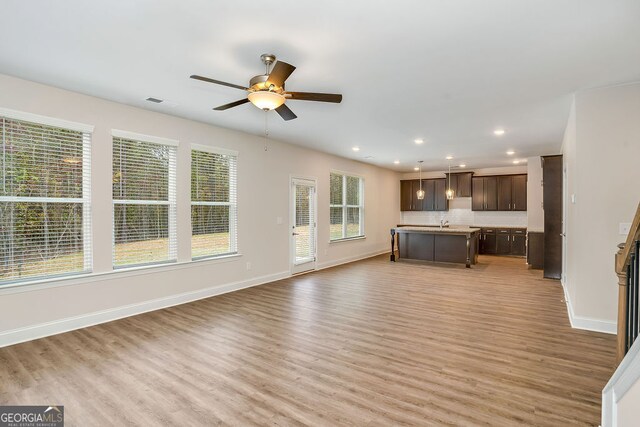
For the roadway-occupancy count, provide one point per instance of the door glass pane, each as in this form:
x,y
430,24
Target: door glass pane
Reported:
x,y
304,239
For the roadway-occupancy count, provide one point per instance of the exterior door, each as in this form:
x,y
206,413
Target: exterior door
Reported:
x,y
303,225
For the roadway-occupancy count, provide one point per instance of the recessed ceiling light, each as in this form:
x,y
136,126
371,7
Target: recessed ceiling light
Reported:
x,y
499,132
397,162
515,162
463,165
449,157
416,169
418,141
356,148
511,153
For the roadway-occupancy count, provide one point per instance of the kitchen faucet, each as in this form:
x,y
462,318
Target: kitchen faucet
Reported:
x,y
443,223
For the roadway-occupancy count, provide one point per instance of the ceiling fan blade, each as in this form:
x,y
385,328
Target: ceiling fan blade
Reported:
x,y
231,105
218,82
281,72
310,96
285,112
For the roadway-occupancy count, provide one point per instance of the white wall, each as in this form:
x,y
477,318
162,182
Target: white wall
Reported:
x,y
535,213
460,212
263,195
601,151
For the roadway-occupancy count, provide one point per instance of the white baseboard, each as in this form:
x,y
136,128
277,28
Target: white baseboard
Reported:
x,y
334,263
29,333
587,323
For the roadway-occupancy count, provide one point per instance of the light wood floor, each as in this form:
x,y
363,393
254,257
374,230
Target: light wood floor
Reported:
x,y
370,343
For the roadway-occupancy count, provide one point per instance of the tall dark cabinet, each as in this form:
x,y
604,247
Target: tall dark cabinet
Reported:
x,y
552,203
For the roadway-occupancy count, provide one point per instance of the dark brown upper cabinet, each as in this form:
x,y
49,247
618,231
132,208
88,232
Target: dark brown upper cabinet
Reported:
x,y
435,198
440,200
499,193
460,184
408,195
484,193
519,195
512,193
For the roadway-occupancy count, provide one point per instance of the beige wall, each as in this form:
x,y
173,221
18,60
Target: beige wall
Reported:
x,y
263,195
601,151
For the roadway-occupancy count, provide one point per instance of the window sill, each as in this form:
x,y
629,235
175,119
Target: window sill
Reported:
x,y
348,239
122,272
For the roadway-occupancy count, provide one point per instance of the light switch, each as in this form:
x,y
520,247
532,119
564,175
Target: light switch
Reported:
x,y
279,220
573,199
624,228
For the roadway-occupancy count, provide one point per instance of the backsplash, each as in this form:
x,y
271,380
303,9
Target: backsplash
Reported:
x,y
460,213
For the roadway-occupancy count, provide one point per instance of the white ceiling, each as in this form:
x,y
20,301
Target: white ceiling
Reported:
x,y
449,72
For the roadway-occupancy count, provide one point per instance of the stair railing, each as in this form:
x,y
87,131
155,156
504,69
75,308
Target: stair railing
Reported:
x,y
628,271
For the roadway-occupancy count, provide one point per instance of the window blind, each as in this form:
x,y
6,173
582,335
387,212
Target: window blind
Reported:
x,y
346,206
144,202
45,211
214,213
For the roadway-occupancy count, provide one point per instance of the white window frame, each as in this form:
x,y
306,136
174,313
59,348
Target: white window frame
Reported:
x,y
344,205
85,201
171,201
232,203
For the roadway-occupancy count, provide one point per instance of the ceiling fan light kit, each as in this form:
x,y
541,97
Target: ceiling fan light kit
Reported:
x,y
266,100
266,91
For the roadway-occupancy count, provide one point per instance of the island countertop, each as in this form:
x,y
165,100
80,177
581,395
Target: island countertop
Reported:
x,y
438,230
457,244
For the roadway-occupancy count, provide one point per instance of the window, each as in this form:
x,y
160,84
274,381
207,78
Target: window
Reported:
x,y
346,208
144,200
45,211
213,202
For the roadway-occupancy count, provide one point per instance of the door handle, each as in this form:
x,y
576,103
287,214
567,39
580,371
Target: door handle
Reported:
x,y
563,235
295,234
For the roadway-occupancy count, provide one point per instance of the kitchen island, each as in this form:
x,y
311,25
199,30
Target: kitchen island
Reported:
x,y
438,244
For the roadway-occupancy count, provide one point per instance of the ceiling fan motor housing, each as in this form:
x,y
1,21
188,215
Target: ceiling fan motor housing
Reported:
x,y
260,83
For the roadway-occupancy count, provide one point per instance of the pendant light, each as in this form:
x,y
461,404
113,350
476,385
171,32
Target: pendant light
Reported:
x,y
449,192
420,192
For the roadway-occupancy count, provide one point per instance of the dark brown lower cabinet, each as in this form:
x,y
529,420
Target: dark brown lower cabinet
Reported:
x,y
503,241
519,244
488,242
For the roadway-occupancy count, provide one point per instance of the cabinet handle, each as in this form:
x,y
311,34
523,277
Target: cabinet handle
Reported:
x,y
509,206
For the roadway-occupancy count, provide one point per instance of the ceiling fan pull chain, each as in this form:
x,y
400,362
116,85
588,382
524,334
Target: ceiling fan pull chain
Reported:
x,y
266,130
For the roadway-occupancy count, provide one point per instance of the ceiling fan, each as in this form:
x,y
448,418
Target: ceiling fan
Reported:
x,y
267,92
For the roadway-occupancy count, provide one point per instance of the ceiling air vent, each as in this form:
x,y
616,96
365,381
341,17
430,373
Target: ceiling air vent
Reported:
x,y
154,100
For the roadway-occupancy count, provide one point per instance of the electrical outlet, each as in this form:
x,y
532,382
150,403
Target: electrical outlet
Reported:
x,y
248,266
624,228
